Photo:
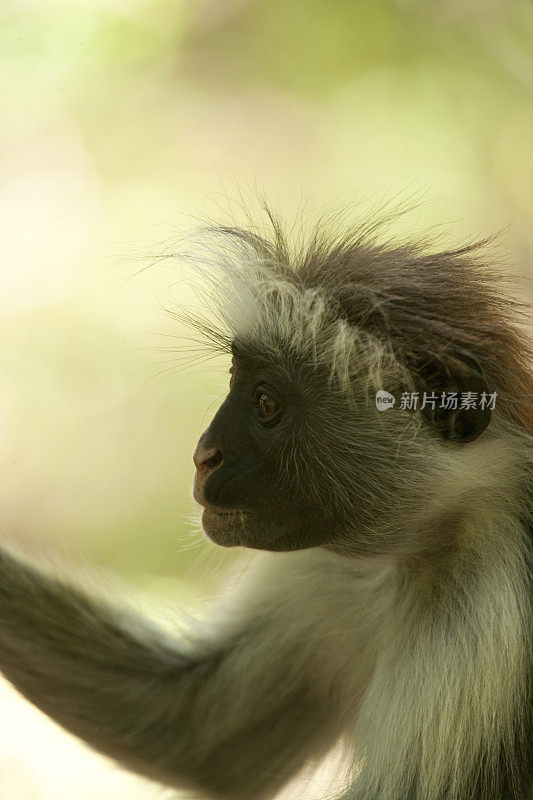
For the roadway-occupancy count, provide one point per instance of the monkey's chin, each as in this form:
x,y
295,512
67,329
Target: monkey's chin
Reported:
x,y
249,529
226,528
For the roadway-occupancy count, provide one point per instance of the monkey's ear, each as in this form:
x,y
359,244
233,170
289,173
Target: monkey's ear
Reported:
x,y
460,374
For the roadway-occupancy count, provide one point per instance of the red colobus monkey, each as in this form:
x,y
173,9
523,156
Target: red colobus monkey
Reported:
x,y
389,604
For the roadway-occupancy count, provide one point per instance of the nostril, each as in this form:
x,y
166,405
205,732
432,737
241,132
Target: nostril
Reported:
x,y
213,461
207,458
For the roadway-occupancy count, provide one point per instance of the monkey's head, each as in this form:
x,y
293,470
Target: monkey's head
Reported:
x,y
300,454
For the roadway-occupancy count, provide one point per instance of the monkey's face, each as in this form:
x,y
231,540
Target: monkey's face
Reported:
x,y
245,464
275,470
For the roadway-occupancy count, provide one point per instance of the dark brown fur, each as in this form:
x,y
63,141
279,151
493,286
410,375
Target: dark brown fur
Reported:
x,y
424,302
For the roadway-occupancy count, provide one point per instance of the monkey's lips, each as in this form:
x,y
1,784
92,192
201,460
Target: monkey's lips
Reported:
x,y
229,514
221,510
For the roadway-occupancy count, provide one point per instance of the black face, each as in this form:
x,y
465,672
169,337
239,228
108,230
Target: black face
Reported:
x,y
245,464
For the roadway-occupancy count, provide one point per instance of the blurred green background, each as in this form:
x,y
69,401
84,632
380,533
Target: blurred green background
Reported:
x,y
122,121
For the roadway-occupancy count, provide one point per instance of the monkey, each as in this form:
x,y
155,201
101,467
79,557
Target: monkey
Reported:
x,y
388,605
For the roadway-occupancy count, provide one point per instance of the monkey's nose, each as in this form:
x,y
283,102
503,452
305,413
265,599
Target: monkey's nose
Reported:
x,y
207,459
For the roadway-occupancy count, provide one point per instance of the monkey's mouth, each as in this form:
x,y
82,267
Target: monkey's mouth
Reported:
x,y
225,513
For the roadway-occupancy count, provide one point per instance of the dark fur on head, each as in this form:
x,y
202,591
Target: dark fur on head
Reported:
x,y
428,305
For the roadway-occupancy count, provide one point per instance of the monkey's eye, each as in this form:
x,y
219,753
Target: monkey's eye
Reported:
x,y
266,404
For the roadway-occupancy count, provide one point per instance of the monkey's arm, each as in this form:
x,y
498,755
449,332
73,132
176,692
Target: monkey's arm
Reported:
x,y
229,717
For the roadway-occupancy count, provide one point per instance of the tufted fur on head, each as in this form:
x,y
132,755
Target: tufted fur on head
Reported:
x,y
335,296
